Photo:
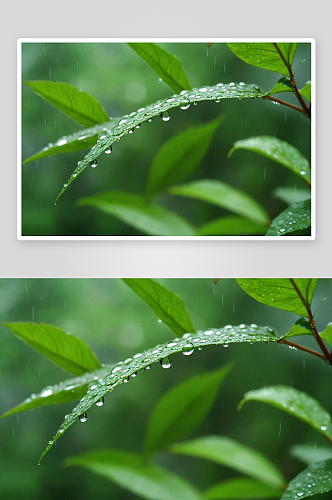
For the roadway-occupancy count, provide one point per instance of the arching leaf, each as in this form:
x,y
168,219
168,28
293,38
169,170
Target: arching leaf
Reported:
x,y
161,354
317,478
161,108
293,218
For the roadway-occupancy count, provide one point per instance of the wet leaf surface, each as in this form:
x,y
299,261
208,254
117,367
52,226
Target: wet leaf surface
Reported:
x,y
317,478
295,217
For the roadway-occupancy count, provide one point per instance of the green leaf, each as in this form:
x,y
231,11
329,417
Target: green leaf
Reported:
x,y
306,91
75,103
180,155
65,350
296,403
296,331
167,305
222,195
241,488
265,55
281,292
291,195
278,151
128,471
161,108
317,478
80,140
68,390
327,334
182,408
226,451
136,211
309,453
167,66
293,218
161,353
231,225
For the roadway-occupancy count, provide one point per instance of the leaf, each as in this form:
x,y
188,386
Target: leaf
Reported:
x,y
80,140
231,225
241,488
134,210
167,66
222,195
291,195
128,471
295,217
327,334
296,331
296,403
68,390
180,155
162,353
278,151
306,91
167,305
226,451
265,55
161,108
309,454
317,478
75,103
281,292
65,350
182,408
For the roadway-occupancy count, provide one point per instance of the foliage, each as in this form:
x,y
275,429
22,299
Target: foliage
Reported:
x,y
180,156
185,406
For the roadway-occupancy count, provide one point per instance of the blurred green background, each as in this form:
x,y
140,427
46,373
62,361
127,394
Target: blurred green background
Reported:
x,y
116,324
122,82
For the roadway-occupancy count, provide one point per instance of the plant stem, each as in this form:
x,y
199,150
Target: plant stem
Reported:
x,y
302,348
293,82
284,103
320,342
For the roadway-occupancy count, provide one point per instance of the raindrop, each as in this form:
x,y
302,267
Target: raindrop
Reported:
x,y
147,367
225,345
171,344
108,150
166,362
200,348
323,427
138,126
217,100
150,120
83,418
46,393
188,349
134,374
93,164
165,115
131,131
160,320
100,402
126,379
185,103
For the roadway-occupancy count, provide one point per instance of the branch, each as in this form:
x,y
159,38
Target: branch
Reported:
x,y
302,348
293,82
320,342
284,103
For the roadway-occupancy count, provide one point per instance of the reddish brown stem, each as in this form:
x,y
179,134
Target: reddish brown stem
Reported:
x,y
284,103
302,348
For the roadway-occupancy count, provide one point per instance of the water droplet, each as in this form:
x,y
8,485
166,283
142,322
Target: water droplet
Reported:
x,y
108,150
185,103
171,344
200,348
323,427
166,362
61,142
93,164
126,379
131,131
165,115
83,417
116,369
225,345
160,320
134,374
46,393
217,100
188,349
100,402
147,367
150,120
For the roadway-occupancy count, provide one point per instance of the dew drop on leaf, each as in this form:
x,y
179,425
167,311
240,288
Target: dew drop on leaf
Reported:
x,y
185,103
93,164
166,362
108,150
188,349
147,367
100,401
126,379
84,417
134,374
165,115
